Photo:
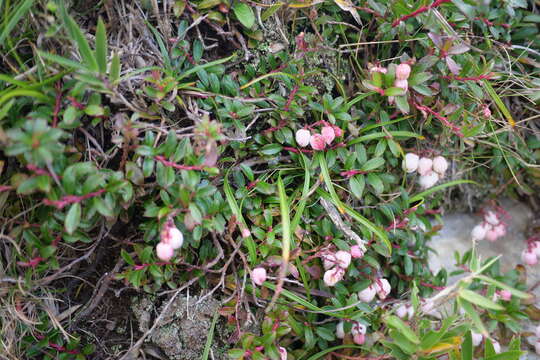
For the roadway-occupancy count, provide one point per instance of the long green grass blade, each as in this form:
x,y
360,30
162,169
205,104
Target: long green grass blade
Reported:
x,y
101,47
210,337
15,19
229,194
434,189
77,35
378,135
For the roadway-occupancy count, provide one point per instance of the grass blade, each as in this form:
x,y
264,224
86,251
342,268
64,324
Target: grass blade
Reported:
x,y
286,241
101,47
378,135
235,209
15,19
210,337
434,189
77,35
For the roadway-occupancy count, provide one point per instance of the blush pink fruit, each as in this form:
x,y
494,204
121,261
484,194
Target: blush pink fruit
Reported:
x,y
403,71
410,163
302,137
383,288
258,275
333,276
440,165
529,257
368,294
424,166
356,252
328,134
171,235
164,251
402,84
492,235
317,142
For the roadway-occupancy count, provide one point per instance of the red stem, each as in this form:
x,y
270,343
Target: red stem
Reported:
x,y
420,10
71,199
442,119
351,173
5,188
165,162
142,266
32,263
291,97
57,103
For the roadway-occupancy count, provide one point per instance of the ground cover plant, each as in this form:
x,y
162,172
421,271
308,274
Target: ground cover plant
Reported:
x,y
291,160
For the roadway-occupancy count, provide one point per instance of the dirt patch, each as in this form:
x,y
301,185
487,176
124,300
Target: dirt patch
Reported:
x,y
184,329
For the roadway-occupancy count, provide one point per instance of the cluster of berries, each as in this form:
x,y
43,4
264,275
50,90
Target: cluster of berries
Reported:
x,y
358,331
337,263
531,254
430,170
329,132
170,239
491,228
381,287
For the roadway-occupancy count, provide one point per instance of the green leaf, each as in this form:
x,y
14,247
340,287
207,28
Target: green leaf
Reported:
x,y
473,314
320,354
357,184
244,14
394,91
398,324
372,164
479,300
82,44
73,218
127,258
101,46
114,74
467,347
271,149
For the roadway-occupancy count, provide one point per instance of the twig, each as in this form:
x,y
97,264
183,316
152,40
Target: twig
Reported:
x,y
340,224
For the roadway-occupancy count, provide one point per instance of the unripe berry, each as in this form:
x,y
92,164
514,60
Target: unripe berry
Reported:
x,y
424,166
403,71
317,142
343,259
505,295
402,84
164,251
401,311
246,233
333,276
368,294
492,235
171,235
496,346
356,252
337,131
500,230
476,338
358,328
410,163
529,257
479,232
383,288
359,339
302,137
440,165
328,134
428,180
258,275
340,330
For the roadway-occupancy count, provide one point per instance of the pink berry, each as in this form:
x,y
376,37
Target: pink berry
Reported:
x,y
529,257
356,252
440,165
403,71
171,235
479,232
333,276
328,134
424,166
505,295
410,163
476,338
492,235
246,233
343,259
492,218
500,230
258,275
359,339
164,251
367,294
402,84
302,137
383,288
337,131
428,180
282,353
317,142
401,311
